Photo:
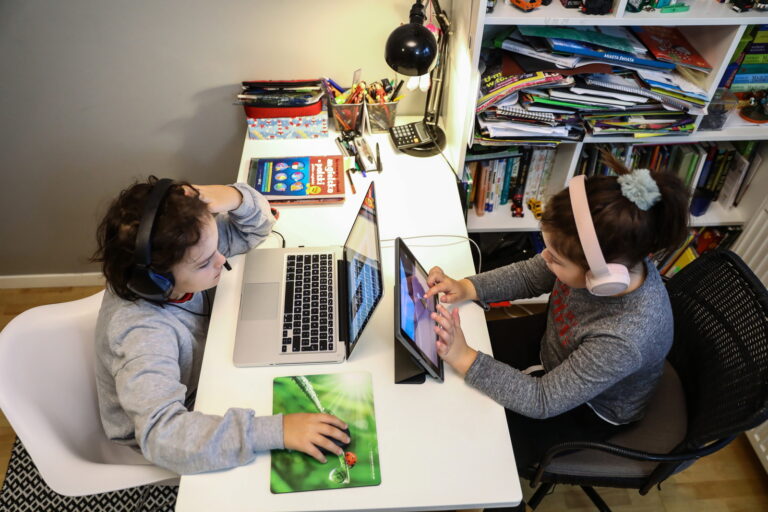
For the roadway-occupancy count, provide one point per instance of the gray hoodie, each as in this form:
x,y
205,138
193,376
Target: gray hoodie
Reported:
x,y
605,351
148,360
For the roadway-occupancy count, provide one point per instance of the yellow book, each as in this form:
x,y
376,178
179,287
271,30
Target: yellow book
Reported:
x,y
684,259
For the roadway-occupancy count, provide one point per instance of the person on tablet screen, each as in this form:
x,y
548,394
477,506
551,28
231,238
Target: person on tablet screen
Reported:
x,y
162,245
601,345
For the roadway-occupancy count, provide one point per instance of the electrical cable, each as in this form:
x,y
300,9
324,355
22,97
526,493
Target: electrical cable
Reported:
x,y
280,235
479,254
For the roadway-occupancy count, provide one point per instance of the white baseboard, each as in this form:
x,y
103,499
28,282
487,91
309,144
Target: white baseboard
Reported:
x,y
52,280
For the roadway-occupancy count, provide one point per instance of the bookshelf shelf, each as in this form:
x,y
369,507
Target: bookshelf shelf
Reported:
x,y
500,220
704,12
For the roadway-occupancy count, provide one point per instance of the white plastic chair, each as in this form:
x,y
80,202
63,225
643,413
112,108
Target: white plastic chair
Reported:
x,y
48,394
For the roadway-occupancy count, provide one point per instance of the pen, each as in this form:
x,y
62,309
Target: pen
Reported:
x,y
397,89
351,183
379,167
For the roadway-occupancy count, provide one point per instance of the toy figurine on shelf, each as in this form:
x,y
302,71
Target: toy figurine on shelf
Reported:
x,y
596,6
525,5
742,5
753,106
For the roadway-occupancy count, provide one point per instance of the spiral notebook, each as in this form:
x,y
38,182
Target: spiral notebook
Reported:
x,y
639,90
544,117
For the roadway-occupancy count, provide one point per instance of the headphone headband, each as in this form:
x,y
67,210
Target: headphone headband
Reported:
x,y
602,278
585,227
143,252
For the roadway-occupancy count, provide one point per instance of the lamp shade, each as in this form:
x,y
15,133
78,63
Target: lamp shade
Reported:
x,y
411,49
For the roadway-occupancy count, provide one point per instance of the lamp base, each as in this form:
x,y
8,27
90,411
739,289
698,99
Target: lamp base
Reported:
x,y
431,148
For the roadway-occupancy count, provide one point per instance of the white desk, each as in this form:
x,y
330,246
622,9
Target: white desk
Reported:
x,y
441,446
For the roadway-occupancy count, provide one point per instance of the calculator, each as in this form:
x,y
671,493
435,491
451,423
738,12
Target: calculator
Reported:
x,y
410,135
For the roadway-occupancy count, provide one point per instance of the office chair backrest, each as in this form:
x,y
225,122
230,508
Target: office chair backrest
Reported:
x,y
720,348
48,394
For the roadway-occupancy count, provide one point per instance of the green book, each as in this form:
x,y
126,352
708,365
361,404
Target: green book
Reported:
x,y
348,396
550,101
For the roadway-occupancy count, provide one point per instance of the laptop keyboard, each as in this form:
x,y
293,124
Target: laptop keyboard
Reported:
x,y
308,313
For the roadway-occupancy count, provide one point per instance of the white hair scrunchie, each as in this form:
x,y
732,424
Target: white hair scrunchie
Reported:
x,y
640,188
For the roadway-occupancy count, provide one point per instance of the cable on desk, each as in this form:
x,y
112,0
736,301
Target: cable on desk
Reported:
x,y
280,235
479,254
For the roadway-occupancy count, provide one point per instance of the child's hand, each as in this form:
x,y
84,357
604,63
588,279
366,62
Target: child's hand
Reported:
x,y
219,198
453,291
451,345
306,431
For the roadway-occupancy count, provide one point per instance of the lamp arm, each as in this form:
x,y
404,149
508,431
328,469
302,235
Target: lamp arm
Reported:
x,y
434,95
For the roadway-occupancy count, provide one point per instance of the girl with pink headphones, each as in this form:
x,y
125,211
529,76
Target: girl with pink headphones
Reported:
x,y
587,367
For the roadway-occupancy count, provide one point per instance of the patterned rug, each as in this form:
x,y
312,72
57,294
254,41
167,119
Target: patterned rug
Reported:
x,y
25,491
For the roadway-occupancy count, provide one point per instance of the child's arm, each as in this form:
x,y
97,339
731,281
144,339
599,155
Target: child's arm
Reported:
x,y
247,224
520,280
596,365
150,391
592,368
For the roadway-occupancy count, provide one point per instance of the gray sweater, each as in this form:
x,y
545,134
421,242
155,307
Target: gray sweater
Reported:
x,y
605,351
148,361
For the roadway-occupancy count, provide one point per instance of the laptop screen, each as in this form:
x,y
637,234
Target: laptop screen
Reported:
x,y
362,257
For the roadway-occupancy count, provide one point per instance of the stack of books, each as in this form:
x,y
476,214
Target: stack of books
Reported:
x,y
748,70
519,180
639,81
699,241
712,171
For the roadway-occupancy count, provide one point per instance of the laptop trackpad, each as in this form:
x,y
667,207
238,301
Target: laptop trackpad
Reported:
x,y
260,301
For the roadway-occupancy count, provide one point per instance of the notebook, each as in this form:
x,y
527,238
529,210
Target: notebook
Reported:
x,y
310,304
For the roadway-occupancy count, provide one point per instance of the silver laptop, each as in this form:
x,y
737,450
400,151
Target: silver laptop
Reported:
x,y
310,304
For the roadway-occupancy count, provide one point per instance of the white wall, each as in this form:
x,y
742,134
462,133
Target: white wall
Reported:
x,y
97,93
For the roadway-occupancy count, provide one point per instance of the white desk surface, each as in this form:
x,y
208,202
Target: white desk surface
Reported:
x,y
441,445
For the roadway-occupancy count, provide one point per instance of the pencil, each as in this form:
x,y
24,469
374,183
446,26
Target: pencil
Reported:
x,y
351,183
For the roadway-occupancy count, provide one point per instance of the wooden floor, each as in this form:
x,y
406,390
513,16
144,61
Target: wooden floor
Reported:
x,y
731,480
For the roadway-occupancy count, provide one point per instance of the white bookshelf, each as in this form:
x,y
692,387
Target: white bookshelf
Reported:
x,y
713,28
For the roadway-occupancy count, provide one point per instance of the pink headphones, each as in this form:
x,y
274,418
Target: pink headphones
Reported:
x,y
602,278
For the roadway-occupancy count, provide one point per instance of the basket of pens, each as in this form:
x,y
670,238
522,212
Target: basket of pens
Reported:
x,y
349,106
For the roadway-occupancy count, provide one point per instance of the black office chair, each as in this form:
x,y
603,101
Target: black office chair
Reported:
x,y
714,387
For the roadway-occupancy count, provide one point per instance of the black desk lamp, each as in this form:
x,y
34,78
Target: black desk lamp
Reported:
x,y
411,50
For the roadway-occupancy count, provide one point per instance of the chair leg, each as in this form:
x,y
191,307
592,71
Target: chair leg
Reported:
x,y
542,491
596,499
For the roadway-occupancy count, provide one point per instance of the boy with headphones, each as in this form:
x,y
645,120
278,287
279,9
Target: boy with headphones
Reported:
x,y
163,246
587,367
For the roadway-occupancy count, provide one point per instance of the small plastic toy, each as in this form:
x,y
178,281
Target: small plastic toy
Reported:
x,y
526,5
536,208
742,5
596,6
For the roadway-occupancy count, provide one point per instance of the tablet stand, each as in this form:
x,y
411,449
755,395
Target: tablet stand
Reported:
x,y
406,370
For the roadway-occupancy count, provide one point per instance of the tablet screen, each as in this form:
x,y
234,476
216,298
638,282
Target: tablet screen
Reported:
x,y
416,324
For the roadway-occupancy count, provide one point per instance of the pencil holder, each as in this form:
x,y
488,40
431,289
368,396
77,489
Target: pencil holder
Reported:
x,y
381,116
346,116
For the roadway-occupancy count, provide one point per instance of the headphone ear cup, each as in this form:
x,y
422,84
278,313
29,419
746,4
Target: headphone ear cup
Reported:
x,y
612,282
150,285
164,282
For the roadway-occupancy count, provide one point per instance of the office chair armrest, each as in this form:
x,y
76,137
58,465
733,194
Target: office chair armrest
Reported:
x,y
626,453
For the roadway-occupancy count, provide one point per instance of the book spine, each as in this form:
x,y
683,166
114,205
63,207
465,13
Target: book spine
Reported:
x,y
750,78
749,87
560,45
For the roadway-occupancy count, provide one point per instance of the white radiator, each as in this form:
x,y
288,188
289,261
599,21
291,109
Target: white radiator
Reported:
x,y
752,246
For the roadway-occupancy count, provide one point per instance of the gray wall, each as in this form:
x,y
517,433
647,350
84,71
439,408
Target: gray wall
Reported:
x,y
97,93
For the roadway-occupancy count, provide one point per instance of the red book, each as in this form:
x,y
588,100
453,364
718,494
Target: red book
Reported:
x,y
668,44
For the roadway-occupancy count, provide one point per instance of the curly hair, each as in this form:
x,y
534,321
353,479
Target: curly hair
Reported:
x,y
626,233
178,225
